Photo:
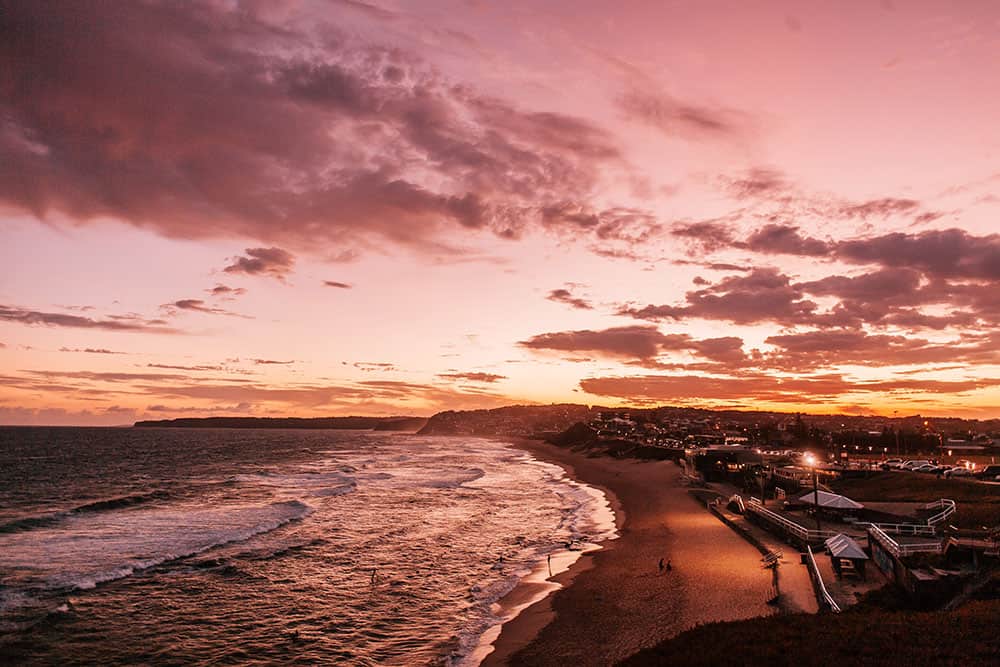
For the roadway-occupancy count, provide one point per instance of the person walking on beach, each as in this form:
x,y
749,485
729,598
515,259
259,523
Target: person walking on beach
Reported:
x,y
661,566
669,566
549,559
374,575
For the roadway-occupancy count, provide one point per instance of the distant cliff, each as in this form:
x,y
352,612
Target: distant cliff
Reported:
x,y
378,423
514,420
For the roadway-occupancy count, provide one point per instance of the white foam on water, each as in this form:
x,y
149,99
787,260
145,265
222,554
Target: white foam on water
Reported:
x,y
589,520
313,480
83,552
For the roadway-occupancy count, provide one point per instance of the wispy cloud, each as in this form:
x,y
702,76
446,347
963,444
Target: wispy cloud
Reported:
x,y
487,378
124,323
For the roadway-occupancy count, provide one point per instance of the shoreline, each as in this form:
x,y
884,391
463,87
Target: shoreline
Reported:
x,y
613,601
529,603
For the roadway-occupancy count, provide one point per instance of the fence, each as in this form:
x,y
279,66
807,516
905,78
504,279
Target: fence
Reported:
x,y
946,507
900,550
824,594
807,535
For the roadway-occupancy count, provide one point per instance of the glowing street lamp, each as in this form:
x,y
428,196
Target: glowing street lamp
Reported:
x,y
810,460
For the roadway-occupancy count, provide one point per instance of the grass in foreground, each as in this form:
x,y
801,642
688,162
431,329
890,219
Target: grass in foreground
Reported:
x,y
967,636
978,504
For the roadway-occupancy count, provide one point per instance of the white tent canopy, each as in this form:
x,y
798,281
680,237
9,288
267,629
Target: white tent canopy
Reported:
x,y
829,500
842,546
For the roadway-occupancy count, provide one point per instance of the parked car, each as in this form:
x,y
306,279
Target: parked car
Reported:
x,y
915,463
889,464
941,470
927,467
958,472
990,472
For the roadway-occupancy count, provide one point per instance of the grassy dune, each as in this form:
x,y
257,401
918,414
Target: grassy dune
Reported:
x,y
967,636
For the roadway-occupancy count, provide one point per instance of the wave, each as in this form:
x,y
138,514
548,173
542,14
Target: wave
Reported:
x,y
120,502
47,520
315,484
461,478
296,510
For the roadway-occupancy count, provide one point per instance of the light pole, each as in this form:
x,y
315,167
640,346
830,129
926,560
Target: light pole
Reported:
x,y
811,462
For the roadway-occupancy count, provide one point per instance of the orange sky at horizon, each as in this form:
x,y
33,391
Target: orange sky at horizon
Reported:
x,y
313,208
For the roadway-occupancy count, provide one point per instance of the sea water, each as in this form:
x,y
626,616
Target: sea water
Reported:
x,y
241,546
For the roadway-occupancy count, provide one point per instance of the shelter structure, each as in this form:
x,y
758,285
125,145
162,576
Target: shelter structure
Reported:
x,y
846,555
829,501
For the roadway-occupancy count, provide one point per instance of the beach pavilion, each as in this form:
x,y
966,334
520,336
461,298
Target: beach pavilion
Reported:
x,y
846,555
829,504
825,500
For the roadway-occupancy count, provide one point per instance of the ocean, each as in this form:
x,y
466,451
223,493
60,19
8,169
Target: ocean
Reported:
x,y
197,546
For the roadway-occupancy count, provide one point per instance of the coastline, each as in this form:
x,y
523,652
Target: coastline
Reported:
x,y
527,608
613,601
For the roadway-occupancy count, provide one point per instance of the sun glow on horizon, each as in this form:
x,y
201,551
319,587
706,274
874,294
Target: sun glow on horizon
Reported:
x,y
322,211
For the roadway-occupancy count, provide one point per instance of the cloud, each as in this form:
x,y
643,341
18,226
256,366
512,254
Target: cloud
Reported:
x,y
90,350
948,253
638,345
187,368
380,366
882,208
271,362
784,239
124,323
765,388
801,351
885,297
765,294
618,231
679,119
565,296
221,290
273,262
313,137
488,378
103,376
707,236
338,285
638,342
758,182
378,396
197,306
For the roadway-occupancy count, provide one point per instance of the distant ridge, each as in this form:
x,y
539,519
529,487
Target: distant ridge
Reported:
x,y
369,423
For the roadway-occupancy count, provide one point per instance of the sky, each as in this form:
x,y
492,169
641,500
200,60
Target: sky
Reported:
x,y
342,207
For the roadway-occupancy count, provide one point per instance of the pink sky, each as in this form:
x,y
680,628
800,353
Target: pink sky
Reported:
x,y
346,207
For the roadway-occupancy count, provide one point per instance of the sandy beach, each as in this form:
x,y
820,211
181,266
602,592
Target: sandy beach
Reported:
x,y
615,601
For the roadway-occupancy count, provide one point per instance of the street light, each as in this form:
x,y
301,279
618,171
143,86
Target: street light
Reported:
x,y
811,462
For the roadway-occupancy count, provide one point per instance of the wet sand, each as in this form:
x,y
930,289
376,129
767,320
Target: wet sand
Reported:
x,y
614,601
